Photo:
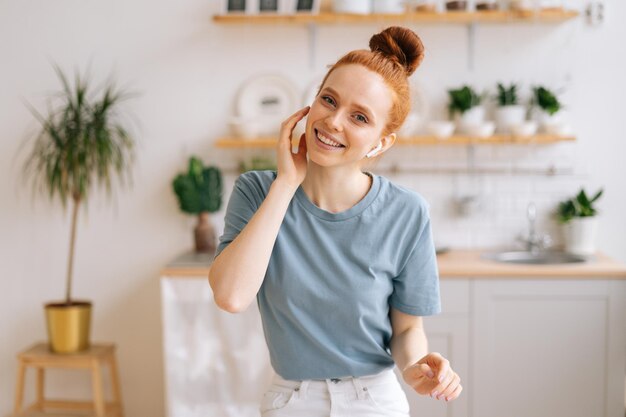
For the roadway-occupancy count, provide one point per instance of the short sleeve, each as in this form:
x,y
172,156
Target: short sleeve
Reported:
x,y
416,288
240,209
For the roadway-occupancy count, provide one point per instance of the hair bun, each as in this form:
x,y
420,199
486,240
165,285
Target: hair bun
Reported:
x,y
400,44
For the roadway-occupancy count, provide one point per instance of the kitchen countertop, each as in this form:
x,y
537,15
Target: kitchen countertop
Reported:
x,y
465,263
455,263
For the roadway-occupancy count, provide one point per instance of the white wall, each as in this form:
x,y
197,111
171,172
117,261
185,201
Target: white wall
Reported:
x,y
188,71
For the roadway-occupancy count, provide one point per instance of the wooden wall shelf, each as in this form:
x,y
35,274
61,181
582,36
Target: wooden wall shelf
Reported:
x,y
270,142
500,16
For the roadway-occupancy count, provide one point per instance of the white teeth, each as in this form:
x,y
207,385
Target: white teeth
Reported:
x,y
328,141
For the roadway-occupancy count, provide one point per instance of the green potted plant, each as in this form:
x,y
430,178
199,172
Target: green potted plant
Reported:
x,y
579,222
81,143
466,109
547,110
199,191
509,112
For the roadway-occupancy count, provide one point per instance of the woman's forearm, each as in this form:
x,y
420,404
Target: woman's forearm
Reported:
x,y
409,347
238,272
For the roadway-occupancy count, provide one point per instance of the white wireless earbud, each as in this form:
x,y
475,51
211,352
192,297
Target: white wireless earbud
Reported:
x,y
375,150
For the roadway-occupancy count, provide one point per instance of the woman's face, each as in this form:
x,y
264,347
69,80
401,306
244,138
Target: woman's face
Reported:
x,y
350,113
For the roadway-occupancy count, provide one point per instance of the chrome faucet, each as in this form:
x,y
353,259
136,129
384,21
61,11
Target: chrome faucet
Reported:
x,y
534,242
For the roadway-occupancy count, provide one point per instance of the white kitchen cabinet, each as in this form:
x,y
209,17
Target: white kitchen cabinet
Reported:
x,y
547,348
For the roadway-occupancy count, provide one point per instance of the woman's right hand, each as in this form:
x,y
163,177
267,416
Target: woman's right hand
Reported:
x,y
291,166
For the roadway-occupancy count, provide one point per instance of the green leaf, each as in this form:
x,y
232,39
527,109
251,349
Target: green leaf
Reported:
x,y
507,96
546,100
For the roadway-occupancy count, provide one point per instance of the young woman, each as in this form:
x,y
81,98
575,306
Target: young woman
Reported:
x,y
340,260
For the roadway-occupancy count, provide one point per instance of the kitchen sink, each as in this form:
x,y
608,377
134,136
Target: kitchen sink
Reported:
x,y
534,258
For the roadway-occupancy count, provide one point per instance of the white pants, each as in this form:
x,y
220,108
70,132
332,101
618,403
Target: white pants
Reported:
x,y
366,396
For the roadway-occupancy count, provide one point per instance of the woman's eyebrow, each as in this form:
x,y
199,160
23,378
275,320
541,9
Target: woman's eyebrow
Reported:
x,y
361,107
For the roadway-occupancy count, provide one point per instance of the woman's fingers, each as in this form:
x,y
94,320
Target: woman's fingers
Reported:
x,y
447,387
290,123
419,370
455,393
291,166
443,365
302,145
451,387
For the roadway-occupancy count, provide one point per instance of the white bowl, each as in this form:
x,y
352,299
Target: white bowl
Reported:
x,y
526,128
440,128
480,130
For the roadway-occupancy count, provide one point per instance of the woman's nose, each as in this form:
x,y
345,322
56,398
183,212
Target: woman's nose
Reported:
x,y
335,121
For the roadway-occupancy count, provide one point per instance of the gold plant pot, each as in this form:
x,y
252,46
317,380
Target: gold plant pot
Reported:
x,y
68,326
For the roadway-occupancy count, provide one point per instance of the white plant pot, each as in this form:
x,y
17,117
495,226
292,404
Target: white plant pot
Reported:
x,y
508,116
352,6
548,122
579,235
389,6
467,121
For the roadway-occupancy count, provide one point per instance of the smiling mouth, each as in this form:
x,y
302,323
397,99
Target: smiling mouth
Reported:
x,y
326,140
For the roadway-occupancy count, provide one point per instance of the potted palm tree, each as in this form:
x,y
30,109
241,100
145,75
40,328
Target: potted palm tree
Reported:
x,y
80,144
579,221
199,191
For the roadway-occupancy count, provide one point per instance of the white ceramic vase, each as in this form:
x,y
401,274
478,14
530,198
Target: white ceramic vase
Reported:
x,y
579,235
508,116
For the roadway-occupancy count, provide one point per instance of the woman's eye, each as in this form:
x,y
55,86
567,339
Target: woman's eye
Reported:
x,y
328,100
361,118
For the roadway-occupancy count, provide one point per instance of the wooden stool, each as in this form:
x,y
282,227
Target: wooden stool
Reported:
x,y
40,357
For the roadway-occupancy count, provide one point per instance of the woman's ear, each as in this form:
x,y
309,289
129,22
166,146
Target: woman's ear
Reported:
x,y
385,143
388,141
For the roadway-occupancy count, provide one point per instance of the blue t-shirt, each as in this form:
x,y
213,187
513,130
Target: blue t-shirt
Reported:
x,y
332,277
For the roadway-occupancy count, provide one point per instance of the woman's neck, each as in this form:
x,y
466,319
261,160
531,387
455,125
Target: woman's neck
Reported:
x,y
335,189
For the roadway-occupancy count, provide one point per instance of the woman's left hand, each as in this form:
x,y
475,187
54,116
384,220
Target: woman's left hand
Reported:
x,y
444,384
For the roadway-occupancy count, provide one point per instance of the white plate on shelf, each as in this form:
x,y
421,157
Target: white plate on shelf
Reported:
x,y
268,99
